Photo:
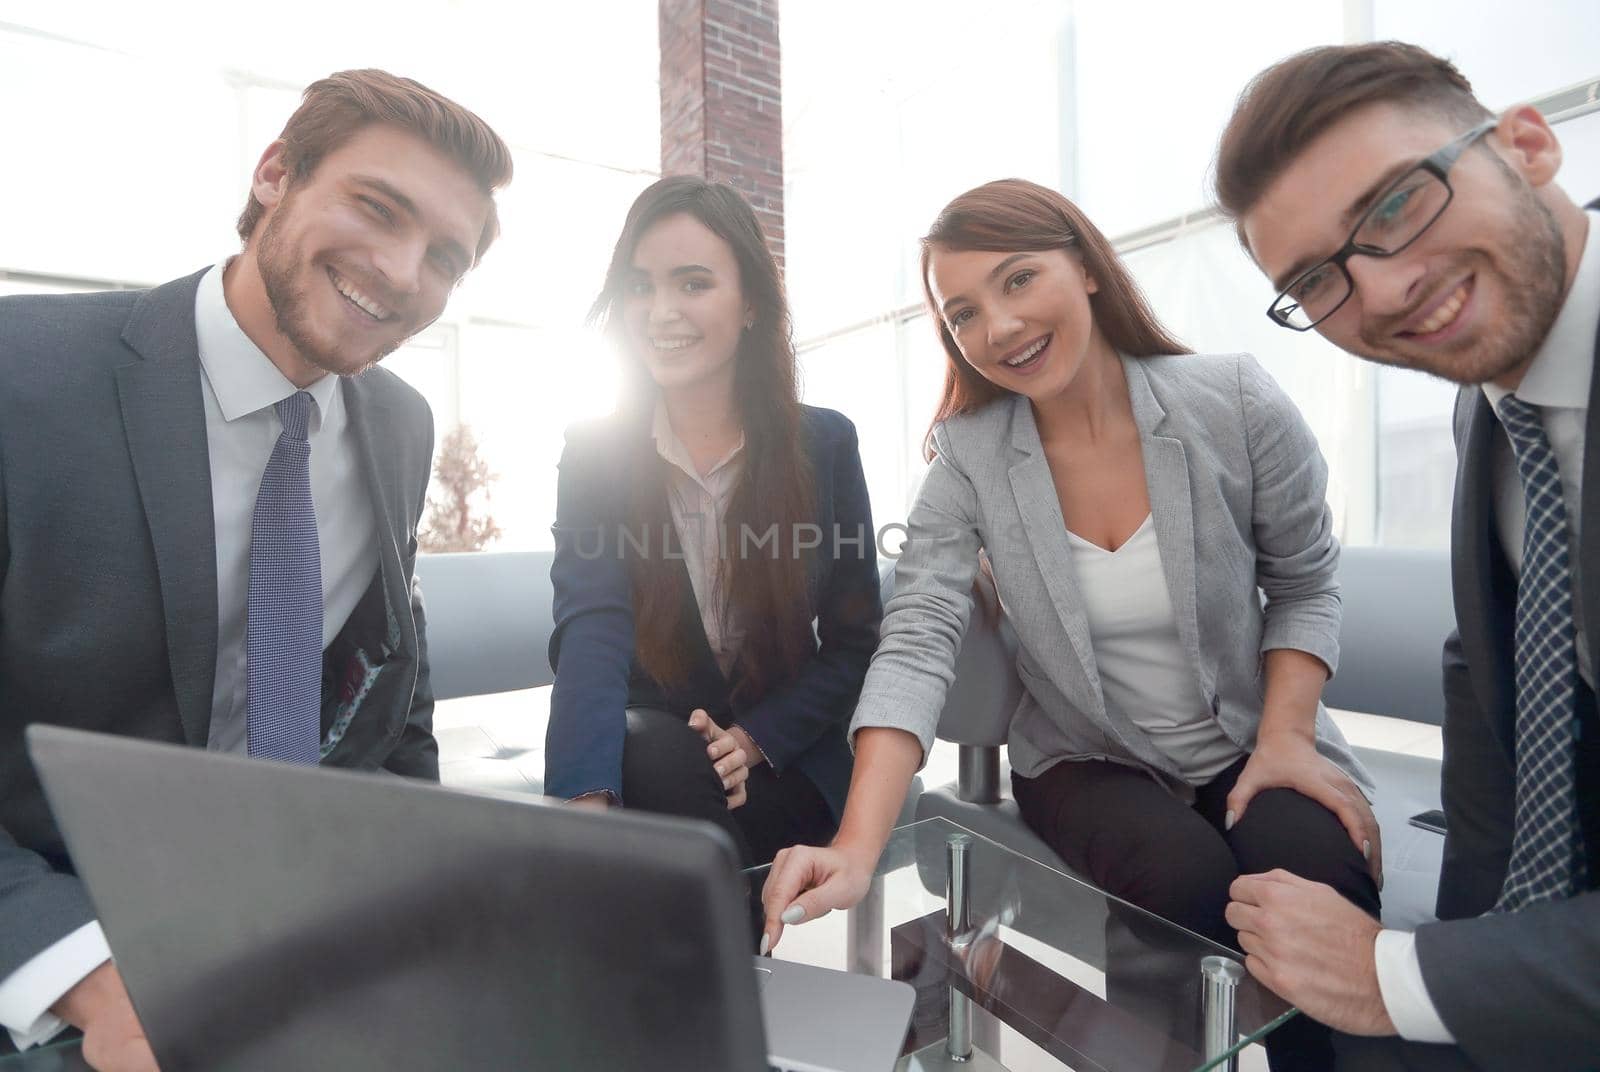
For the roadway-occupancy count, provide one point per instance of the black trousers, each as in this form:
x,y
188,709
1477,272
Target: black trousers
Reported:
x,y
1132,838
1398,1055
665,770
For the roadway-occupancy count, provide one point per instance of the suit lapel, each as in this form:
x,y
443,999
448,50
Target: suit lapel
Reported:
x,y
1166,474
1589,514
1046,530
368,413
163,415
1472,579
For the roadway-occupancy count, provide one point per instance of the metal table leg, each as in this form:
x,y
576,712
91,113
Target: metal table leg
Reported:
x,y
958,930
1220,978
864,932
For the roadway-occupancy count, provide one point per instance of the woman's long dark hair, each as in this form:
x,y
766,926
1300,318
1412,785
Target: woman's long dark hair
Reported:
x,y
763,584
1013,215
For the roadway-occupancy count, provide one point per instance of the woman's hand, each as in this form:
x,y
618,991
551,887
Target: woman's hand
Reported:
x,y
728,759
807,882
1290,761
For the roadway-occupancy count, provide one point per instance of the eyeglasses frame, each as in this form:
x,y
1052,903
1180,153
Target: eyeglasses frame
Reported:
x,y
1437,163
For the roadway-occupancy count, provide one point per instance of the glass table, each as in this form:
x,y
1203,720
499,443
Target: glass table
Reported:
x,y
1017,966
1008,954
64,1056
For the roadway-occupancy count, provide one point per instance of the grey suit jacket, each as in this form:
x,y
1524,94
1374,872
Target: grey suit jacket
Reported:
x,y
1236,488
108,600
1543,1007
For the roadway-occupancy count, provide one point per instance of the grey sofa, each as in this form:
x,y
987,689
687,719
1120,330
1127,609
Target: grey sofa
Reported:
x,y
1397,611
489,627
489,621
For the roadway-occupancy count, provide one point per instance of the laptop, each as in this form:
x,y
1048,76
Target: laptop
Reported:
x,y
267,916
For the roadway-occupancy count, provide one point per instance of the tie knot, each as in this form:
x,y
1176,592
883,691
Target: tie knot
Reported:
x,y
295,413
1520,418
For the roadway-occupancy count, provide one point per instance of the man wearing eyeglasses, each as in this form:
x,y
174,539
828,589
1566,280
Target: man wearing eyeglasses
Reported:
x,y
1395,215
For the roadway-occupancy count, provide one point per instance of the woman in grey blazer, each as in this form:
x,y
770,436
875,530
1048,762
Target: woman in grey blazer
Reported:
x,y
1134,508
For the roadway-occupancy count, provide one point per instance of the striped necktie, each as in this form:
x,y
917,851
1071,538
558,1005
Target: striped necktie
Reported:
x,y
283,641
1546,848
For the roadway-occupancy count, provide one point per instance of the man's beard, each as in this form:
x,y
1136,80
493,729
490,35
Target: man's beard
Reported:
x,y
278,263
1531,271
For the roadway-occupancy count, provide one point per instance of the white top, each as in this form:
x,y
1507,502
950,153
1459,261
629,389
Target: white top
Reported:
x,y
1557,381
239,388
699,504
1144,673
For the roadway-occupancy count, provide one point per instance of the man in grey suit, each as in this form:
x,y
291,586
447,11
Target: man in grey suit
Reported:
x,y
209,500
1398,217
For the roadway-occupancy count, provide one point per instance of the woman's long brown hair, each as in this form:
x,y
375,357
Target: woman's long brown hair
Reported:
x,y
764,584
1013,215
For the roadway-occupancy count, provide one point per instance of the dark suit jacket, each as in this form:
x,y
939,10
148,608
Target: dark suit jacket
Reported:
x,y
800,724
108,588
1518,990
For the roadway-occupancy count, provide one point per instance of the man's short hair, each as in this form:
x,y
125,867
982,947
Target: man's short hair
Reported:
x,y
1290,104
335,108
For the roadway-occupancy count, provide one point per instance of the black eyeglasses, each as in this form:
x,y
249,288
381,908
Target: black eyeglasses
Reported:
x,y
1398,216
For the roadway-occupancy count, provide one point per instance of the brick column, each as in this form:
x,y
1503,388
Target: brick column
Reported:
x,y
720,100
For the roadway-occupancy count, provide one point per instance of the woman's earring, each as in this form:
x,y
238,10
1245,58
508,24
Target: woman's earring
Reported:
x,y
748,324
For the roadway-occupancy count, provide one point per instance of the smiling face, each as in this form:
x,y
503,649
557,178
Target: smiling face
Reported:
x,y
1021,320
1475,295
363,253
683,309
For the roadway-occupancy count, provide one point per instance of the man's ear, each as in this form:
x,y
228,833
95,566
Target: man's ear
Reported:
x,y
270,180
1526,142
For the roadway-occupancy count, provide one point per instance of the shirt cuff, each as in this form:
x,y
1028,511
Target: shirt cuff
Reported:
x,y
611,797
1405,996
27,993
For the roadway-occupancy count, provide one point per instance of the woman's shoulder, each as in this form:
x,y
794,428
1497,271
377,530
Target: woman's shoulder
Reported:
x,y
1202,383
1197,368
826,427
986,427
603,435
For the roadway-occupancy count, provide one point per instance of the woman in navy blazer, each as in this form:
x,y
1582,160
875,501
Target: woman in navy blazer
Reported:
x,y
716,587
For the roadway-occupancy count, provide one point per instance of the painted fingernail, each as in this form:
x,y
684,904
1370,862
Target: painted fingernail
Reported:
x,y
1227,820
793,914
766,944
1366,850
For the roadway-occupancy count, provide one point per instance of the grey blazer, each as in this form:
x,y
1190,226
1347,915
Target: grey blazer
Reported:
x,y
1237,493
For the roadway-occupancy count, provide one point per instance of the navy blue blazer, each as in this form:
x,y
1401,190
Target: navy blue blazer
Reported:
x,y
800,724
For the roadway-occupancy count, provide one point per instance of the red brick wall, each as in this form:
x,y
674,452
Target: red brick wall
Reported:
x,y
721,115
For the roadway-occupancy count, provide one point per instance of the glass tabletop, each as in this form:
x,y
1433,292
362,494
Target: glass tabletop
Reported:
x,y
63,1056
1022,966
1035,969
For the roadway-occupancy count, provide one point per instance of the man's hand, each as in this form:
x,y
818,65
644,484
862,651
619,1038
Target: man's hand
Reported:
x,y
1288,761
113,1038
727,758
1312,948
600,801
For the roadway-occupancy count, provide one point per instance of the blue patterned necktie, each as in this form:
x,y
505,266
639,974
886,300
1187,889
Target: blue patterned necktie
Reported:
x,y
1546,857
284,632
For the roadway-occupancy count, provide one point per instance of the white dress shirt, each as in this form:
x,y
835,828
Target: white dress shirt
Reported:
x,y
1144,674
239,388
1557,381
